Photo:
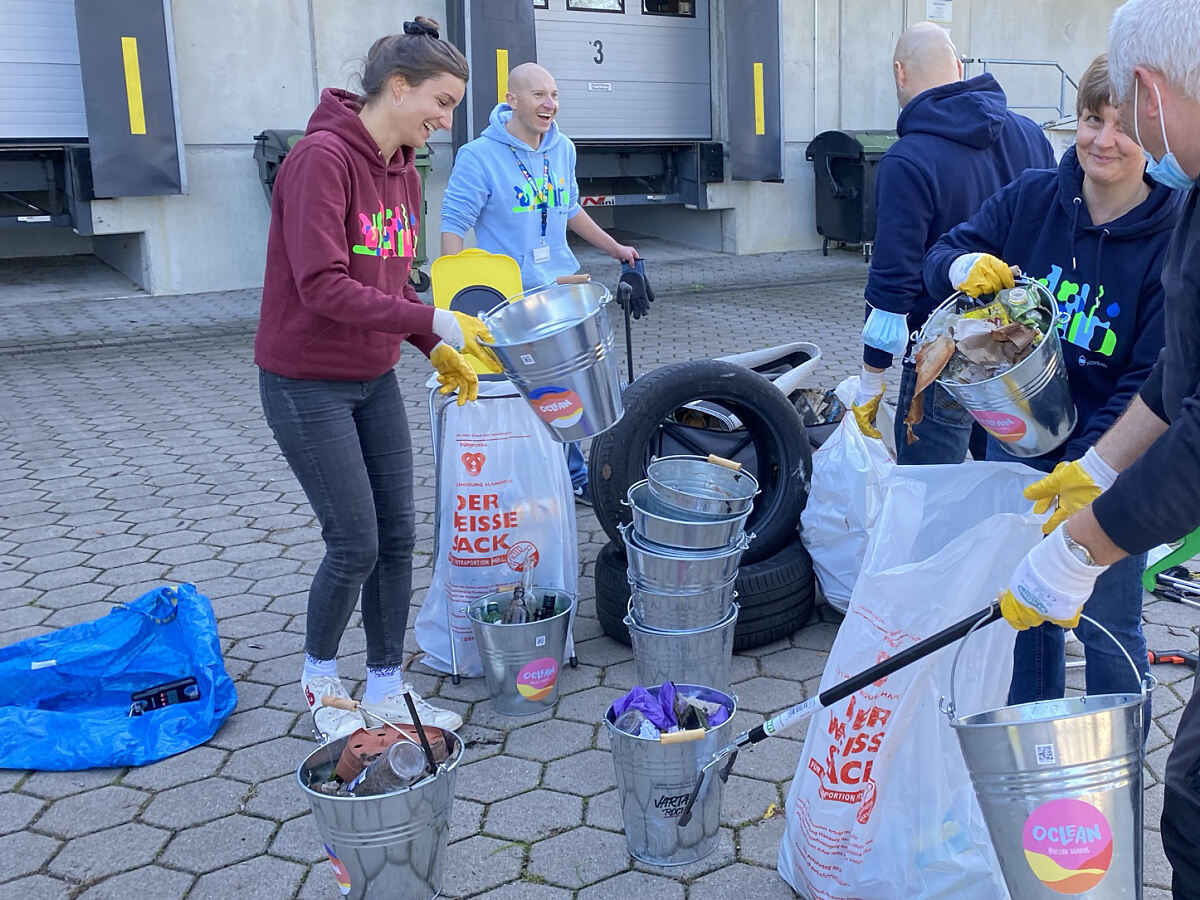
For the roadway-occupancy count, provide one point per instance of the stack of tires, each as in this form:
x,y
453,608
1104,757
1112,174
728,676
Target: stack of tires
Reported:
x,y
774,583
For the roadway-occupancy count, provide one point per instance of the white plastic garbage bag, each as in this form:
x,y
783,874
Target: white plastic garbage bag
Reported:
x,y
881,806
503,490
846,469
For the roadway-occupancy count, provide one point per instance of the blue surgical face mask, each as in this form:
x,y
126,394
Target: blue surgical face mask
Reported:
x,y
1166,170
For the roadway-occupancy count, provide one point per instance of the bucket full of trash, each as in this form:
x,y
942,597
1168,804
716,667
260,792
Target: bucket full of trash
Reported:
x,y
1001,358
385,826
1060,786
555,344
521,634
661,738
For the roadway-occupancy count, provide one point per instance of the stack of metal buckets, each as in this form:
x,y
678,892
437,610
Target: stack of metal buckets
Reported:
x,y
683,546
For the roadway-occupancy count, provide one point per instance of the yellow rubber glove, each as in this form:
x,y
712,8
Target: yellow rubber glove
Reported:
x,y
866,402
988,275
1020,616
454,373
1070,487
473,329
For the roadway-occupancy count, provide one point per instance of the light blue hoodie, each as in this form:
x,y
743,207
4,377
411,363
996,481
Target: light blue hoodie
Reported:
x,y
488,191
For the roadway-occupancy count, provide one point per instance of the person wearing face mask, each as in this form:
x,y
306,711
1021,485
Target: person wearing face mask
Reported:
x,y
515,185
1094,231
336,306
1148,492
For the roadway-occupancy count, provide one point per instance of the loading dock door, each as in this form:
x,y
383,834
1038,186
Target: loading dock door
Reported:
x,y
41,92
628,69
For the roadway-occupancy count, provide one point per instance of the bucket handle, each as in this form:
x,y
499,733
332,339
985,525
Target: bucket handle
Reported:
x,y
949,706
722,461
581,278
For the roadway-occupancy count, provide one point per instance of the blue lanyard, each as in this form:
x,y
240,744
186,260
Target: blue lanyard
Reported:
x,y
543,200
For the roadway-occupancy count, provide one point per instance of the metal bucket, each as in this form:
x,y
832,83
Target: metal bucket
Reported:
x,y
1060,786
655,522
1029,408
668,571
555,345
392,845
653,784
676,611
701,486
521,662
691,656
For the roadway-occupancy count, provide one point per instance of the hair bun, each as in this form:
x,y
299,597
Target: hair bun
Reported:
x,y
420,27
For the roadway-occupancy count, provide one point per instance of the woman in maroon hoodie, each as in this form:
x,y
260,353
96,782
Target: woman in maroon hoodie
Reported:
x,y
337,304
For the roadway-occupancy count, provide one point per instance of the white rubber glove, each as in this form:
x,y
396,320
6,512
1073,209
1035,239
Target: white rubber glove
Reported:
x,y
1051,584
870,386
886,331
1102,474
961,268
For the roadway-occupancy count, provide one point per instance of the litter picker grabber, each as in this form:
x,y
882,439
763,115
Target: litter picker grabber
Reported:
x,y
793,714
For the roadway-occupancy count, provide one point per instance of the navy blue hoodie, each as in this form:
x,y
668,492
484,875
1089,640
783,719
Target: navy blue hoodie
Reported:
x,y
1106,278
959,144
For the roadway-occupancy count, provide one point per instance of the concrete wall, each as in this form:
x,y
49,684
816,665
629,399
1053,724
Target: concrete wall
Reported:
x,y
837,75
242,67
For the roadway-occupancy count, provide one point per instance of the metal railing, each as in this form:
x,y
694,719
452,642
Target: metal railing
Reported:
x,y
1064,111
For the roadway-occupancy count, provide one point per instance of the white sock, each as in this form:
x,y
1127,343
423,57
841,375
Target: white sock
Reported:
x,y
382,682
314,667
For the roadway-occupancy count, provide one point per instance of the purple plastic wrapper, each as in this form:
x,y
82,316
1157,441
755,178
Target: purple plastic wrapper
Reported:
x,y
644,702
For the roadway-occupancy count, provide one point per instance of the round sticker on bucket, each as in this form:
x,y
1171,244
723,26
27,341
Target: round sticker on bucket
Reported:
x,y
339,871
1068,845
557,406
1001,425
536,679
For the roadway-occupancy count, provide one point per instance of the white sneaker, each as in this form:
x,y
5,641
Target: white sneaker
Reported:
x,y
331,722
394,709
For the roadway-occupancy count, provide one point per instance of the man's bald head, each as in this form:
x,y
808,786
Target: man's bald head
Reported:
x,y
533,96
925,58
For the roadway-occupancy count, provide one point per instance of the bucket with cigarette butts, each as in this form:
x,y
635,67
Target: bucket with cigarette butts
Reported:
x,y
1028,406
654,782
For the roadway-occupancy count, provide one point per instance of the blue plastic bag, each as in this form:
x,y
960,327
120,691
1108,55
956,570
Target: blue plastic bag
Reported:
x,y
67,698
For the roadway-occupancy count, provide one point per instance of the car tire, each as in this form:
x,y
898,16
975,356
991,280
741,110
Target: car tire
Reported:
x,y
775,595
772,443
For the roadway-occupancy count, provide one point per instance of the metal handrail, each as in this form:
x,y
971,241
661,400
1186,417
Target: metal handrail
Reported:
x,y
1064,79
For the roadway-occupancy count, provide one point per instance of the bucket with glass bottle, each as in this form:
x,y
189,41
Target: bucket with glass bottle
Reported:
x,y
1001,358
381,801
521,634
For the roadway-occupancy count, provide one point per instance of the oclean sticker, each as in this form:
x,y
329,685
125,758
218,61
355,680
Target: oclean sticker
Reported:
x,y
1069,845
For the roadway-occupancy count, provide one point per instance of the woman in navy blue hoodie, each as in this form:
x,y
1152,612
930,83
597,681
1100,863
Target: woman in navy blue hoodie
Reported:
x,y
1094,231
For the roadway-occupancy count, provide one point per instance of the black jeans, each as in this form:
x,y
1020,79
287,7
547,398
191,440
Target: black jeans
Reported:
x,y
348,444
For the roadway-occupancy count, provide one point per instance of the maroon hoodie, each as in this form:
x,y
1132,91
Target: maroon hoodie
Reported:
x,y
337,301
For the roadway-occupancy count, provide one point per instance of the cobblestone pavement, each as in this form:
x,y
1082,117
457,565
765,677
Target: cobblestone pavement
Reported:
x,y
133,453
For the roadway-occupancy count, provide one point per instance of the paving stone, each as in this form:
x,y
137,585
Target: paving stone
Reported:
x,y
64,577
267,760
466,817
580,678
183,768
195,803
634,884
758,842
244,729
53,785
149,881
741,880
103,853
23,852
533,815
480,863
271,646
526,890
747,800
588,706
552,739
251,695
496,778
604,811
38,887
587,773
266,878
71,816
579,857
794,664
602,651
17,810
218,844
484,715
300,840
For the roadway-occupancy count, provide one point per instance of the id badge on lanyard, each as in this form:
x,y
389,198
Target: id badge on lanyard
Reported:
x,y
541,253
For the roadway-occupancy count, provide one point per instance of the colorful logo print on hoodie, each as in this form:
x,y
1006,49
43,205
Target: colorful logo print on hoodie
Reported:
x,y
388,232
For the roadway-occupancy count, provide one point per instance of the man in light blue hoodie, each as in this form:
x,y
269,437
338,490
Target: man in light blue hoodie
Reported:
x,y
515,185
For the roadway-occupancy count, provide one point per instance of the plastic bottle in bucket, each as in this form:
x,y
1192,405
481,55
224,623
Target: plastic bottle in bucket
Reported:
x,y
402,765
